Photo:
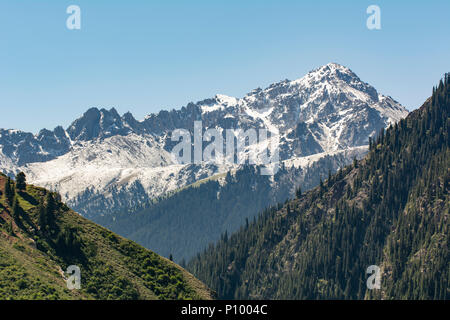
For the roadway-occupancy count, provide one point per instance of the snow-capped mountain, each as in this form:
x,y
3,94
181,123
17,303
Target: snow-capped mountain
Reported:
x,y
105,161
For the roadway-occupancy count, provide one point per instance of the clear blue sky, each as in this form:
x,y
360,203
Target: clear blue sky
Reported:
x,y
144,56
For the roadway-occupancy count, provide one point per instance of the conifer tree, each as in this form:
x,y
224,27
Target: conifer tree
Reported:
x,y
298,192
16,210
50,207
43,221
7,190
13,192
21,181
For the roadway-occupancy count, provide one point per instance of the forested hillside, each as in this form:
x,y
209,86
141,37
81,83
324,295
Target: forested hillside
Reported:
x,y
40,237
391,210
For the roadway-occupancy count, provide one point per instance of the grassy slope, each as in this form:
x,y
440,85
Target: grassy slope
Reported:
x,y
111,267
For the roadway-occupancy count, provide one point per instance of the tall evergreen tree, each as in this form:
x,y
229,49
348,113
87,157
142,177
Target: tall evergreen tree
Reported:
x,y
298,192
16,209
9,191
42,216
21,184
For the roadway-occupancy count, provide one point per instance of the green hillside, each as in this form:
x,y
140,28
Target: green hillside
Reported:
x,y
391,210
40,237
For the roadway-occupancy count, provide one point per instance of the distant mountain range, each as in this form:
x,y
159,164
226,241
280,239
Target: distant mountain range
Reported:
x,y
106,163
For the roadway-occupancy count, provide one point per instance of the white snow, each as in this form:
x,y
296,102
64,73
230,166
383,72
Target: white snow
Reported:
x,y
304,162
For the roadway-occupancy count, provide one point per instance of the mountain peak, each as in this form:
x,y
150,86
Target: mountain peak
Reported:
x,y
95,123
339,79
334,65
111,112
331,72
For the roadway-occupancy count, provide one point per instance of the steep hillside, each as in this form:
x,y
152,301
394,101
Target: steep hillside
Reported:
x,y
40,237
390,209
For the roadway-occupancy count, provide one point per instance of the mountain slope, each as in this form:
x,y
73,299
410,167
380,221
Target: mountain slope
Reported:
x,y
105,162
40,237
390,209
175,224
